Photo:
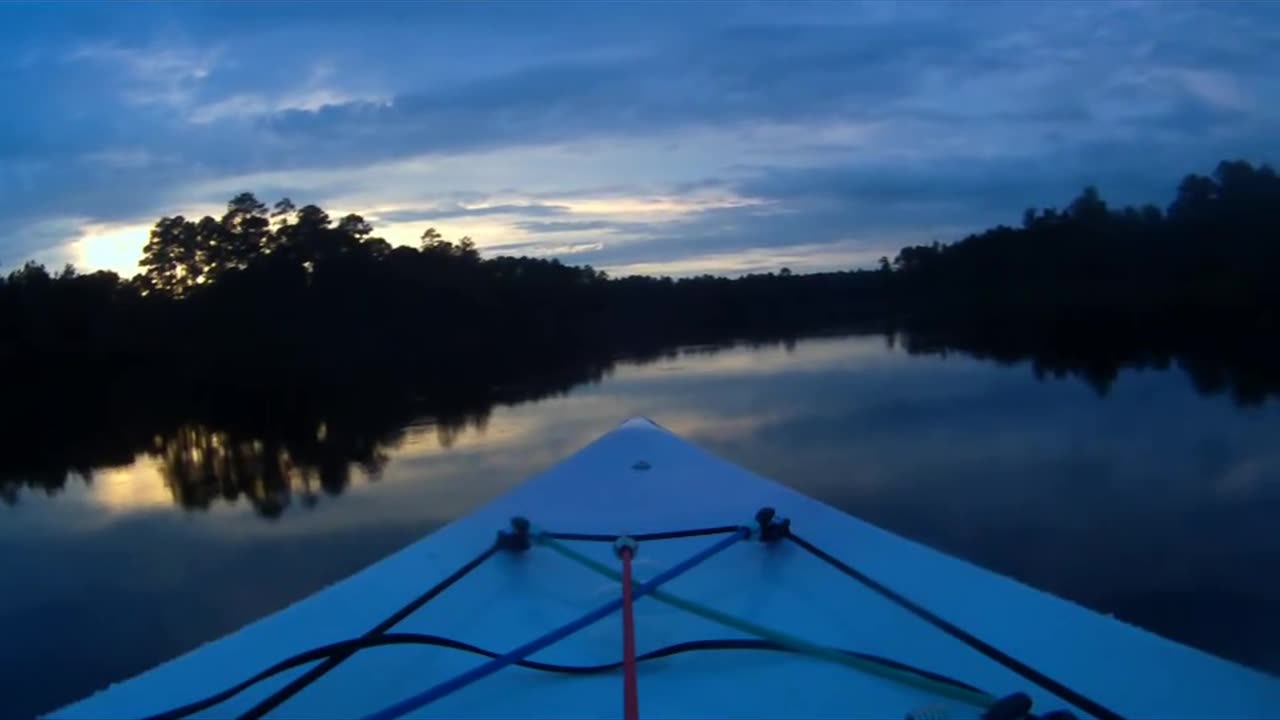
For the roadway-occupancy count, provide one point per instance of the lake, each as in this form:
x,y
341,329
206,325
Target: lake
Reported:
x,y
1152,501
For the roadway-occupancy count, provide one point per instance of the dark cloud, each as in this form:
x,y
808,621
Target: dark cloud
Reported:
x,y
808,71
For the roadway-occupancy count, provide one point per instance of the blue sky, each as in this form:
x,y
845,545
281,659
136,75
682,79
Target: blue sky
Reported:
x,y
659,137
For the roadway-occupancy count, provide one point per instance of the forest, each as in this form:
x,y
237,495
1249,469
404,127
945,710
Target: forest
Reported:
x,y
258,326
285,295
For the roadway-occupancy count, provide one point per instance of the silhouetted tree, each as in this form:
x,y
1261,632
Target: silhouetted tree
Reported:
x,y
172,257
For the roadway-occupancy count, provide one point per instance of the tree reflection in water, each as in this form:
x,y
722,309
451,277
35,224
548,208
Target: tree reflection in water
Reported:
x,y
290,450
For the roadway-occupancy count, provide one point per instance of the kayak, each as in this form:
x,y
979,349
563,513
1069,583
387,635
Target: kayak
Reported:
x,y
645,577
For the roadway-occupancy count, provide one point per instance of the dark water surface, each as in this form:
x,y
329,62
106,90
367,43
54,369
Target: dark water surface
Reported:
x,y
1153,502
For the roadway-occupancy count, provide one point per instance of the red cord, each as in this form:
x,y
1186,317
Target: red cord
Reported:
x,y
630,695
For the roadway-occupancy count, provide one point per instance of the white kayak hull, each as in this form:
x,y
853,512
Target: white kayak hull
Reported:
x,y
515,597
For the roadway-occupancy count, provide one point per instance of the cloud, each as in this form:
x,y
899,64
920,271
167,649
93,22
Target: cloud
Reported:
x,y
164,76
1218,89
540,249
855,125
44,242
461,211
811,257
738,240
252,105
568,226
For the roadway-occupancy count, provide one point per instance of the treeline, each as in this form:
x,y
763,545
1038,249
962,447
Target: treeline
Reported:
x,y
1207,261
264,296
1091,288
286,298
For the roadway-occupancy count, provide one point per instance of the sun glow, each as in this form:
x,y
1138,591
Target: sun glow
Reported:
x,y
116,248
139,486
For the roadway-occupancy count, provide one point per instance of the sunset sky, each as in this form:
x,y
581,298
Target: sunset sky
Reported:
x,y
669,138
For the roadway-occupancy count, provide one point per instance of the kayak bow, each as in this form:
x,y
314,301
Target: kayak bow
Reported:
x,y
732,612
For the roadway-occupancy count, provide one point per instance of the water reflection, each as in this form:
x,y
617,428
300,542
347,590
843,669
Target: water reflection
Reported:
x,y
201,465
1246,369
1156,503
273,455
270,465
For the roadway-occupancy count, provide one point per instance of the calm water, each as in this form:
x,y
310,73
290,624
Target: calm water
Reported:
x,y
1153,503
